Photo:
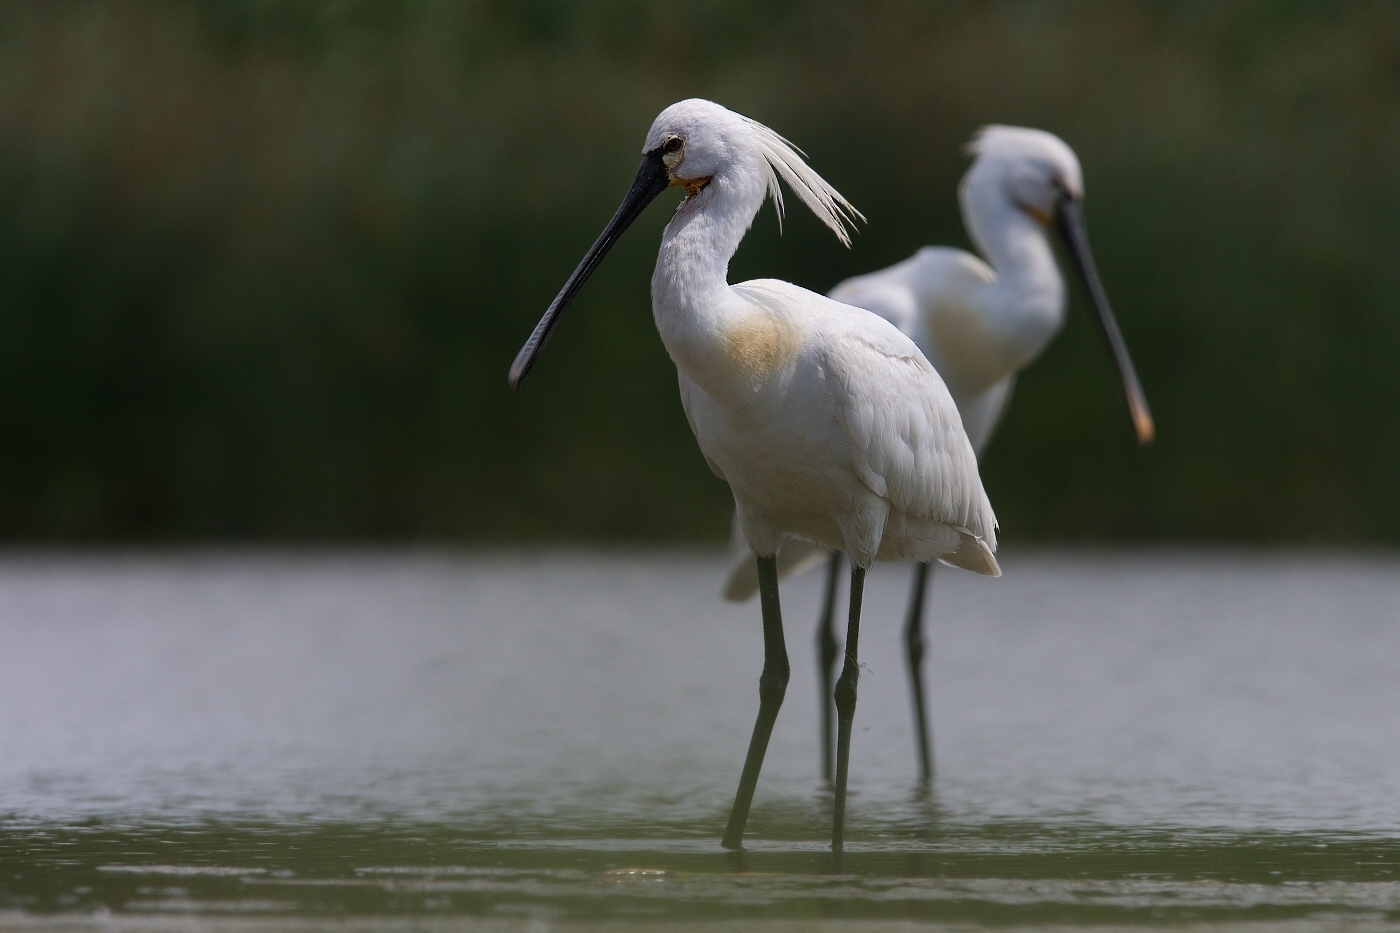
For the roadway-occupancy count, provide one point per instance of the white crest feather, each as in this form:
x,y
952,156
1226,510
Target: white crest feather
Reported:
x,y
984,138
784,159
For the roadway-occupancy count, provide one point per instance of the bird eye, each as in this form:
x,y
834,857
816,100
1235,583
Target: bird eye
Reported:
x,y
673,144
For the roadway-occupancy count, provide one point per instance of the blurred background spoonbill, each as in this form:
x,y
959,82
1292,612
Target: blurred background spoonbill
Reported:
x,y
978,322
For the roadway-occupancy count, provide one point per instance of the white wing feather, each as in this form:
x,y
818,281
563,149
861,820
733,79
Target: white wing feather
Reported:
x,y
901,418
907,440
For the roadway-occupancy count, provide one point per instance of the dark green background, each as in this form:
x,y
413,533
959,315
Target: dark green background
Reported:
x,y
263,265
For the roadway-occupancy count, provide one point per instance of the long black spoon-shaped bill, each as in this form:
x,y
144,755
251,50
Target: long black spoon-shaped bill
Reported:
x,y
651,180
1069,220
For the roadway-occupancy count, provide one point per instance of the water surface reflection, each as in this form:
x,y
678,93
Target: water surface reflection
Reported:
x,y
537,741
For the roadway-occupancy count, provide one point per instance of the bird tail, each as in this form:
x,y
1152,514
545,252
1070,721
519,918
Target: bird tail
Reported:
x,y
973,554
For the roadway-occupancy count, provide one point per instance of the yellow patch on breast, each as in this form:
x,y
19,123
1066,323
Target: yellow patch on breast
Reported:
x,y
759,345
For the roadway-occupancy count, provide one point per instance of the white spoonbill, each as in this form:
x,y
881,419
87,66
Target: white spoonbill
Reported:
x,y
825,420
978,323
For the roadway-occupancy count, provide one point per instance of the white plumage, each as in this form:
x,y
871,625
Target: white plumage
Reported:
x,y
827,422
977,321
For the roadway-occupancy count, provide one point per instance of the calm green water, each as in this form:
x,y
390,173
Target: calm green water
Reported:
x,y
550,741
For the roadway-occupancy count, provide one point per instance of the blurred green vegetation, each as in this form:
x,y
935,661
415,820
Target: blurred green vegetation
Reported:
x,y
264,263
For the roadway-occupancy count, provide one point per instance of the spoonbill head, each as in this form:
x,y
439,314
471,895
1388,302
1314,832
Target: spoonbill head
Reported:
x,y
718,157
826,421
1034,174
1030,168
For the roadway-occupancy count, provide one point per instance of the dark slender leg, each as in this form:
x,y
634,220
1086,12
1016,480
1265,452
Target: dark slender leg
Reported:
x,y
914,654
772,684
827,653
846,707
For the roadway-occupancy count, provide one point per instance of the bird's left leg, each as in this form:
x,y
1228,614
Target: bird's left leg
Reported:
x,y
827,653
846,706
772,685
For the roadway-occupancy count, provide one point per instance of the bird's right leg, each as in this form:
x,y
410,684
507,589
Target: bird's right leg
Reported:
x,y
914,655
772,684
827,652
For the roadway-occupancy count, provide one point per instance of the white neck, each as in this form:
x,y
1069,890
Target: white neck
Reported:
x,y
689,289
1027,300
